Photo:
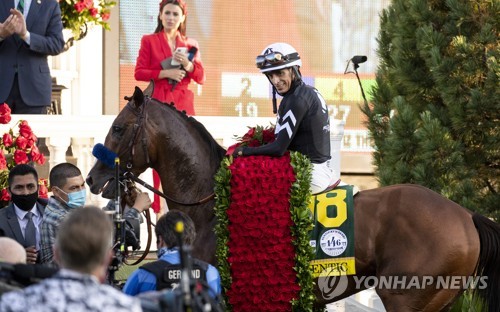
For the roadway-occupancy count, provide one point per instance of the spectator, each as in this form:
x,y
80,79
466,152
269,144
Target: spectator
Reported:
x,y
22,218
83,251
69,193
28,35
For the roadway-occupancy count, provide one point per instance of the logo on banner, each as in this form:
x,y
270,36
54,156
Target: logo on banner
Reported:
x,y
333,242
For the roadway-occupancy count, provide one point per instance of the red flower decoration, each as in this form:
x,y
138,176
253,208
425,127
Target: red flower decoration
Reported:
x,y
5,114
25,129
20,157
43,191
17,148
4,195
22,142
7,140
262,219
3,162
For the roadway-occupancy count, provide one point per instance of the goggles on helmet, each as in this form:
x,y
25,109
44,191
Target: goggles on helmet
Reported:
x,y
275,58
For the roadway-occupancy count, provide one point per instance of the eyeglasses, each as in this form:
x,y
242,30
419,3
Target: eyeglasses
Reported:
x,y
275,58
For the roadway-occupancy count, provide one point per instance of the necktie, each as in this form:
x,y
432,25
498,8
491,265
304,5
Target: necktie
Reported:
x,y
20,6
30,231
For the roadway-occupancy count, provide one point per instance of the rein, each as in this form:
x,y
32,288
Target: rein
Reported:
x,y
138,126
131,176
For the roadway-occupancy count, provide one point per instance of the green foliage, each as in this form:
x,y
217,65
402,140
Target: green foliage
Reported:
x,y
436,106
303,224
222,203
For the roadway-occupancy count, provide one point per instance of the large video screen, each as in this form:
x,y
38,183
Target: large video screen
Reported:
x,y
231,34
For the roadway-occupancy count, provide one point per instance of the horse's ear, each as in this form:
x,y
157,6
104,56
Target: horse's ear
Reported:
x,y
138,96
151,87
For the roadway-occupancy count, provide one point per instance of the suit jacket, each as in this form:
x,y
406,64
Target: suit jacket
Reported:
x,y
154,49
9,224
30,61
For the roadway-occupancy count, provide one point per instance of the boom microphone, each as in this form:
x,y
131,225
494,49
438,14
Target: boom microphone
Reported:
x,y
358,59
105,155
191,53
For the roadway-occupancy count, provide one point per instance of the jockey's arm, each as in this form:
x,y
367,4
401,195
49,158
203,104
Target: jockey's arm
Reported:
x,y
287,128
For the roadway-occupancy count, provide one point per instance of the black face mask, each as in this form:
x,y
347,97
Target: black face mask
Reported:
x,y
25,202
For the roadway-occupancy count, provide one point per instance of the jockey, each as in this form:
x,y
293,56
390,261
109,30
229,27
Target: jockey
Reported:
x,y
302,123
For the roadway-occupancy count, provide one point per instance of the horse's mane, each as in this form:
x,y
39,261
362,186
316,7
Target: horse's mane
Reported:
x,y
215,148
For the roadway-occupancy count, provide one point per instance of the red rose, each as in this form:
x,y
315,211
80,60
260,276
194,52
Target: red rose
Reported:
x,y
79,7
3,162
4,195
43,191
20,157
21,142
93,12
5,114
7,140
105,16
25,129
36,156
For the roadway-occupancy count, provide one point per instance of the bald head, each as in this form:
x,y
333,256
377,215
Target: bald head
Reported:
x,y
11,251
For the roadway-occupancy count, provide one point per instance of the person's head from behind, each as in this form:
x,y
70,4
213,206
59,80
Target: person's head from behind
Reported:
x,y
280,62
23,186
172,16
68,185
165,229
11,251
84,241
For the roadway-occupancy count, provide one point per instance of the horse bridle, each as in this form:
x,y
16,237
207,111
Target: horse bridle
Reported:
x,y
138,127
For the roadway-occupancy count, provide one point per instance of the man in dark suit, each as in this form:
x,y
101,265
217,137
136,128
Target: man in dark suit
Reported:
x,y
28,34
21,219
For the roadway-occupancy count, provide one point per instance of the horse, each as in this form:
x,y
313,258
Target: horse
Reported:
x,y
400,230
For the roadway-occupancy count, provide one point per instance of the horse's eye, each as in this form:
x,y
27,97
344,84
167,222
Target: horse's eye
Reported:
x,y
117,129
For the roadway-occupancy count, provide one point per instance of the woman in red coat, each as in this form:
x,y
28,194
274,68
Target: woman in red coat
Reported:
x,y
171,83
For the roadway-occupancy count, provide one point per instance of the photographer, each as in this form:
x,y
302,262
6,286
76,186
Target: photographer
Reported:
x,y
151,276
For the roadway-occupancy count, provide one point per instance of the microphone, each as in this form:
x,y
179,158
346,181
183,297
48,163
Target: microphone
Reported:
x,y
358,59
191,53
105,155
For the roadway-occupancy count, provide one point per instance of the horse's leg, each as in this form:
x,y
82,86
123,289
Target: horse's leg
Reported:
x,y
422,235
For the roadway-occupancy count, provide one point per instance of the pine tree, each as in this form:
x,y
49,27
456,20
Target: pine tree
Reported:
x,y
435,111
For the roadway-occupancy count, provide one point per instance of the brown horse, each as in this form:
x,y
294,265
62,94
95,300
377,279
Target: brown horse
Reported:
x,y
400,230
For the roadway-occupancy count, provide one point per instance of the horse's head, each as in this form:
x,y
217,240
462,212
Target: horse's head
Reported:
x,y
126,140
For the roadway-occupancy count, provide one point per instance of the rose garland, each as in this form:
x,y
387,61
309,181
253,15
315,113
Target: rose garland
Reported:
x,y
263,202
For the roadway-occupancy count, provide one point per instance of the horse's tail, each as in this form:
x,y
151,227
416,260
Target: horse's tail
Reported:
x,y
489,259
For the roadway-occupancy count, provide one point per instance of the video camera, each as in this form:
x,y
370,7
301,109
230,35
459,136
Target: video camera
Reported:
x,y
21,275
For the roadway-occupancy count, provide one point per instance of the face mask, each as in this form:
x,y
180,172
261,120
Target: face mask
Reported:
x,y
76,199
25,202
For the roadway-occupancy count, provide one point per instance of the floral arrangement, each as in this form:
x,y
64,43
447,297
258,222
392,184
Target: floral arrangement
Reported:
x,y
263,201
17,148
78,15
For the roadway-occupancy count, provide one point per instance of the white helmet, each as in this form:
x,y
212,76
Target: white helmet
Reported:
x,y
277,56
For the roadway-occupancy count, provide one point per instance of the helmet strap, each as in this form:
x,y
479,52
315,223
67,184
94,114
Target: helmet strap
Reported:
x,y
275,107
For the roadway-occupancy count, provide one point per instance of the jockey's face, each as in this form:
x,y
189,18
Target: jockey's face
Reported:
x,y
281,79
